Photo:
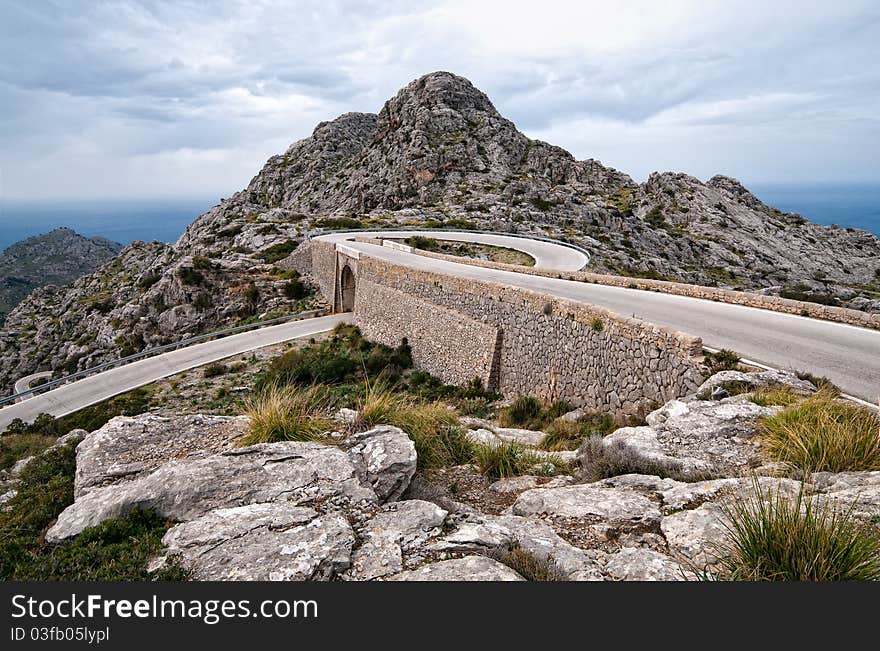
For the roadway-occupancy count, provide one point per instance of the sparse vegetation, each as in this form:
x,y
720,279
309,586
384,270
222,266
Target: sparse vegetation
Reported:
x,y
189,276
214,370
824,433
723,360
508,459
529,565
338,223
116,550
278,251
601,461
771,537
287,413
568,435
596,324
432,426
14,447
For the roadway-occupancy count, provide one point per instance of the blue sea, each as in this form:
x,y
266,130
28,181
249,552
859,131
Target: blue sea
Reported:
x,y
124,221
120,221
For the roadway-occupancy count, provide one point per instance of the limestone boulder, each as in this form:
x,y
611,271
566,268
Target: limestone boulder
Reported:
x,y
275,541
385,458
184,490
127,447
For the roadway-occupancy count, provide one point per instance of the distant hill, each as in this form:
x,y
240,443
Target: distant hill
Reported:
x,y
56,258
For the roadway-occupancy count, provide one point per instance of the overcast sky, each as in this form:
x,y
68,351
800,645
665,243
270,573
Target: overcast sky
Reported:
x,y
188,98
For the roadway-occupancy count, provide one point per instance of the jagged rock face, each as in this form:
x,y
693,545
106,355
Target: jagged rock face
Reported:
x,y
437,150
55,258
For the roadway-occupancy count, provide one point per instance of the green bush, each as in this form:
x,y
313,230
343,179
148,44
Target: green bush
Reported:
x,y
507,459
278,251
117,550
344,358
214,370
14,447
149,280
287,414
423,243
601,461
189,276
295,289
203,263
723,360
525,411
771,537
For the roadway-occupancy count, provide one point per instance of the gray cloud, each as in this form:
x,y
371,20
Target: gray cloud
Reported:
x,y
130,98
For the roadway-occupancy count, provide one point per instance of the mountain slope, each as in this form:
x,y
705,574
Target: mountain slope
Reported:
x,y
438,152
55,258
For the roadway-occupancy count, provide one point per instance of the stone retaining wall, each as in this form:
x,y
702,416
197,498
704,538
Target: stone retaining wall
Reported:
x,y
387,315
548,347
748,299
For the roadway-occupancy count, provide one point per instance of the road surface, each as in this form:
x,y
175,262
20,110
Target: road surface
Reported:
x,y
69,398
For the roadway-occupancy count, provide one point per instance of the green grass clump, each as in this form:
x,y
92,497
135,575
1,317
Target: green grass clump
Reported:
x,y
287,413
117,550
432,426
525,411
14,447
777,538
824,433
775,394
821,383
507,459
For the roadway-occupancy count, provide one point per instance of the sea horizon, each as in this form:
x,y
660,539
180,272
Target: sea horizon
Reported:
x,y
850,205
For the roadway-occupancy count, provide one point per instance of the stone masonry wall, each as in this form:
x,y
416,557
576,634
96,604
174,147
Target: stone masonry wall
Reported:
x,y
552,348
748,299
388,315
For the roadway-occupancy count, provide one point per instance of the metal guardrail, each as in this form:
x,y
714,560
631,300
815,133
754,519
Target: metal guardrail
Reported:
x,y
148,352
525,236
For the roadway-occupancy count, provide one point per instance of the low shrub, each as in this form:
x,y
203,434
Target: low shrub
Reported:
x,y
91,418
824,433
525,411
723,360
214,370
423,243
771,537
116,550
189,276
600,461
337,223
14,447
278,251
569,435
346,357
287,413
295,289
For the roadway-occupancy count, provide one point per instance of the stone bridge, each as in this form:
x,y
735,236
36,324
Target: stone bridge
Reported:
x,y
517,341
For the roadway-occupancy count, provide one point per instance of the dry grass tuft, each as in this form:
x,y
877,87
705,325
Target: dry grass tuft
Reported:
x,y
287,413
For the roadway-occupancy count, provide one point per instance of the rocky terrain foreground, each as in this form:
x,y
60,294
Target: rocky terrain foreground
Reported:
x,y
437,154
355,508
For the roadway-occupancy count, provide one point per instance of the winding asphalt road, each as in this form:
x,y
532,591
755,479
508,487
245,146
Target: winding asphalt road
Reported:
x,y
848,355
69,398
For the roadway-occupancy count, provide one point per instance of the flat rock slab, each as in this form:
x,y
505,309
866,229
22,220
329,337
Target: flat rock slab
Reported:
x,y
588,501
127,447
640,564
187,489
263,542
469,568
755,380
